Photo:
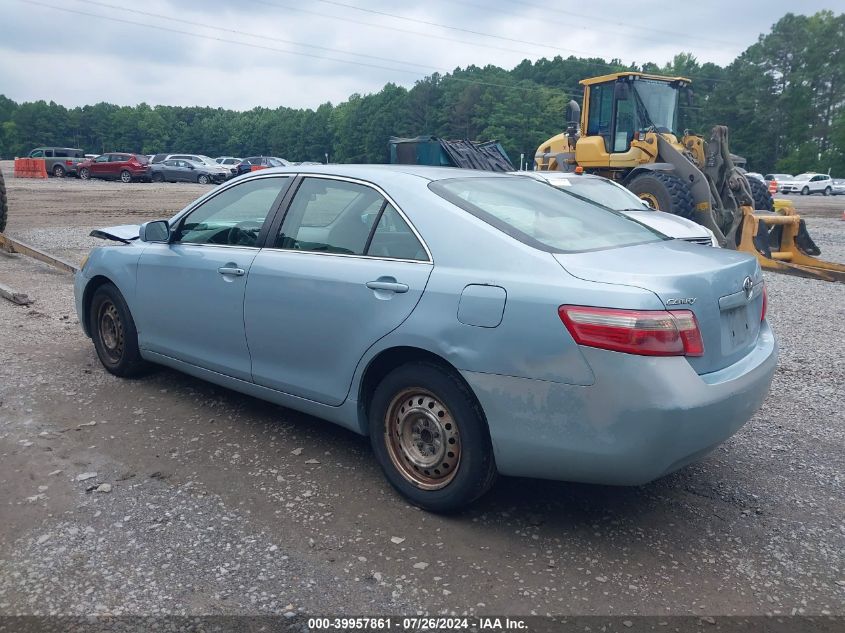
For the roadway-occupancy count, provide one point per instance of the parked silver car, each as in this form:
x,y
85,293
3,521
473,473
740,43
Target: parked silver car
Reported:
x,y
616,197
178,170
470,323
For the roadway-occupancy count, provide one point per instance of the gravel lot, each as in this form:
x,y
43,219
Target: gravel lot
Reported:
x,y
169,495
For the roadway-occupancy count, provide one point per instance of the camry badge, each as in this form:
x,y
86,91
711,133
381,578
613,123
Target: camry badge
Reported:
x,y
748,287
683,301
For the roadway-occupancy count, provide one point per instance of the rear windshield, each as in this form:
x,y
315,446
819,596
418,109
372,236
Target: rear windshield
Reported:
x,y
543,216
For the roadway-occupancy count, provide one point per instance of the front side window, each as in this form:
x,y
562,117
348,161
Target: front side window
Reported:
x,y
234,217
601,111
102,159
330,216
36,154
49,153
543,216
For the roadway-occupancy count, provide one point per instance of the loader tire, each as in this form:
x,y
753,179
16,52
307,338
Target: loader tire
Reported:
x,y
4,204
665,192
763,200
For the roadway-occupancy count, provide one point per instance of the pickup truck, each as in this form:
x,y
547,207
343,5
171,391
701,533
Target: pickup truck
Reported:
x,y
59,161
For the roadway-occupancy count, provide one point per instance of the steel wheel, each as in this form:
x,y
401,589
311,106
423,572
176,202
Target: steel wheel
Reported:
x,y
125,176
651,199
110,329
59,171
422,439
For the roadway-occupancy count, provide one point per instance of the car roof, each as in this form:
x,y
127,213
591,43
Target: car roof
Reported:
x,y
377,172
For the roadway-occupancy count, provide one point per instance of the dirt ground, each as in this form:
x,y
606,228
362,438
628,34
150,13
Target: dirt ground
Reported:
x,y
223,504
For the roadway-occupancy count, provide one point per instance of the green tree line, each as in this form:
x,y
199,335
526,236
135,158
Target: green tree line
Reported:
x,y
782,98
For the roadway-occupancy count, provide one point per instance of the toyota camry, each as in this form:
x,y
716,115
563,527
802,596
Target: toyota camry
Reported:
x,y
472,324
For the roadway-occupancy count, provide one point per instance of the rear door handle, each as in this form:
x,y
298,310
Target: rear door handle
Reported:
x,y
230,270
391,286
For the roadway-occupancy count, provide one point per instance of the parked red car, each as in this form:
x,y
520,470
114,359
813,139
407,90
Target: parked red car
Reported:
x,y
116,166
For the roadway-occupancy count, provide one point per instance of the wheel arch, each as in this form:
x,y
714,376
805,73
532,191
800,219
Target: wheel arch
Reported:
x,y
389,359
88,295
636,171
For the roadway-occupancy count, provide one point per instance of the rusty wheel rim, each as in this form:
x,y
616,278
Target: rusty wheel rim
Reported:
x,y
111,331
651,199
422,439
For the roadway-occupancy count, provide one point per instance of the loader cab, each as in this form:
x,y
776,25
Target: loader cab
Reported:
x,y
621,108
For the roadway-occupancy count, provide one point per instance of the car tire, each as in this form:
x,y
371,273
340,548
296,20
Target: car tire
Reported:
x,y
664,191
827,191
430,437
203,179
763,199
805,191
157,178
84,174
125,176
58,171
114,334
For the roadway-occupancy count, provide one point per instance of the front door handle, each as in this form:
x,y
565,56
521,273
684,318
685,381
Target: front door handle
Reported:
x,y
389,284
231,270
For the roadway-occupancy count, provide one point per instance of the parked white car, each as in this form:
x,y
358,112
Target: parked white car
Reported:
x,y
608,193
807,184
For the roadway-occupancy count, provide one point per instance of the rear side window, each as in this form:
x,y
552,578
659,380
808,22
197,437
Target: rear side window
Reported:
x,y
543,216
393,238
330,216
119,158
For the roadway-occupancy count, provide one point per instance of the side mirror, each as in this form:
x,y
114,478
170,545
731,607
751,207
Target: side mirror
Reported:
x,y
155,231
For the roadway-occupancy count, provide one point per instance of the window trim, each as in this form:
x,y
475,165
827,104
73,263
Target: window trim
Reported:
x,y
177,220
276,226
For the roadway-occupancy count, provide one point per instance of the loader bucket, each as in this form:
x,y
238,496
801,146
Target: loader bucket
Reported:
x,y
787,256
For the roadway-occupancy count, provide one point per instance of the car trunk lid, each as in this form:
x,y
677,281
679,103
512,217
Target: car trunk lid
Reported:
x,y
723,288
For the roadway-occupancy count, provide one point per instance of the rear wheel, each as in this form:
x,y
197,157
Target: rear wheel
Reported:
x,y
113,331
760,192
827,191
58,171
4,205
430,437
664,191
125,176
84,174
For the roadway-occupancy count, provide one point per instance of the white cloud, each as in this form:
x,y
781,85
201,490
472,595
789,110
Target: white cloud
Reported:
x,y
75,59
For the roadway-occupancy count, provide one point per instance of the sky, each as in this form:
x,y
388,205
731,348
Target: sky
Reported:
x,y
241,54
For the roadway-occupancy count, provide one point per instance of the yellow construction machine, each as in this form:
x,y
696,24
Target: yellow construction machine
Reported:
x,y
628,131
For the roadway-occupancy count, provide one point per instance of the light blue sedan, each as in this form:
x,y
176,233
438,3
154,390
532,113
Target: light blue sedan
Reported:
x,y
471,323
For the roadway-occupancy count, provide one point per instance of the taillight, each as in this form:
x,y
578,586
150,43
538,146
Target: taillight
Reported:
x,y
69,163
765,304
643,332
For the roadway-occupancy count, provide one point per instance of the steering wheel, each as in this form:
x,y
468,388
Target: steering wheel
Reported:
x,y
243,234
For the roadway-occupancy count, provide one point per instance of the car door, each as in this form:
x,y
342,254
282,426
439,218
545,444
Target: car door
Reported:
x,y
328,285
99,166
190,291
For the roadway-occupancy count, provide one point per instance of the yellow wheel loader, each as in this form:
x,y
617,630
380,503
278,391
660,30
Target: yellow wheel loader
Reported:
x,y
627,131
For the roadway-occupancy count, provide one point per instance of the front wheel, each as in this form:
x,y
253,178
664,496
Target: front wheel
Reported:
x,y
202,179
113,331
430,437
125,176
157,178
84,174
58,171
805,191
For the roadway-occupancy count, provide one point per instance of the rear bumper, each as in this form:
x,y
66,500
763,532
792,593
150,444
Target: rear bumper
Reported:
x,y
642,419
